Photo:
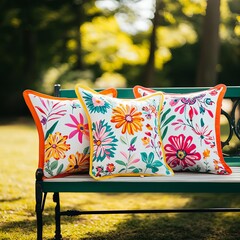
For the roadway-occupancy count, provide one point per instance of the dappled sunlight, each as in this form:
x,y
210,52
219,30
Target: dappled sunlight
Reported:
x,y
193,7
19,157
176,36
115,80
101,201
112,47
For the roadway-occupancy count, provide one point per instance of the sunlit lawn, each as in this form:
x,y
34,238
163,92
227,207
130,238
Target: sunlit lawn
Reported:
x,y
18,161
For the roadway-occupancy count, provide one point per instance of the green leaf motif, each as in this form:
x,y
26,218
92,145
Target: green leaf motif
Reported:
x,y
144,157
120,162
150,158
132,167
136,170
165,114
86,150
164,132
133,140
50,130
123,140
53,165
202,123
49,171
60,169
168,121
157,163
154,169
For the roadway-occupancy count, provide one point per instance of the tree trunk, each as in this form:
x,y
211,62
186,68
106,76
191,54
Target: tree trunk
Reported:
x,y
79,14
149,69
209,51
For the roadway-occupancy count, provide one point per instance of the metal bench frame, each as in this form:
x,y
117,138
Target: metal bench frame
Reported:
x,y
183,183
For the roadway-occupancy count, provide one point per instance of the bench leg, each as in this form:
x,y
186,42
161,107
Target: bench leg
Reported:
x,y
38,209
57,216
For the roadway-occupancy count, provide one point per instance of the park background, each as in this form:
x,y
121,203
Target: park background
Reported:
x,y
104,43
160,43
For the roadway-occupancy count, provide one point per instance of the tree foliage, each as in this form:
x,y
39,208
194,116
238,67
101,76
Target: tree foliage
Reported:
x,y
43,42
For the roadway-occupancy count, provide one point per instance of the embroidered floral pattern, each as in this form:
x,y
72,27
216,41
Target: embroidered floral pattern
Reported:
x,y
78,162
81,128
96,103
190,130
56,146
181,152
128,118
104,141
125,141
64,133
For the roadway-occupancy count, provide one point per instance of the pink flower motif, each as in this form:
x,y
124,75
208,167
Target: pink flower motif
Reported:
x,y
204,134
214,92
184,102
97,102
181,151
81,128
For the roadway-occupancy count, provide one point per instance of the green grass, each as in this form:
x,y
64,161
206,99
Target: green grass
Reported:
x,y
18,162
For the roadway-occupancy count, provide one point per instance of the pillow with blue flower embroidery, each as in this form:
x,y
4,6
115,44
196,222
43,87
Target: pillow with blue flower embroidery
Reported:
x,y
124,135
63,133
190,129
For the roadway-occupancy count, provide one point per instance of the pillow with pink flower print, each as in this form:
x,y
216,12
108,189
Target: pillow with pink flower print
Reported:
x,y
124,135
63,133
190,130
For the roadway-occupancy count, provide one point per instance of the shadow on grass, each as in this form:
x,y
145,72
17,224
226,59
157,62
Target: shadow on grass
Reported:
x,y
25,225
10,199
180,227
184,226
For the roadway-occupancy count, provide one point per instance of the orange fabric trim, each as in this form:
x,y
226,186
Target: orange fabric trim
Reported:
x,y
109,91
217,118
217,126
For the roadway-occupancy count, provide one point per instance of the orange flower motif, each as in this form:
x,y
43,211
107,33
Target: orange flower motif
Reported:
x,y
216,162
110,167
128,118
78,163
56,146
206,153
149,127
216,167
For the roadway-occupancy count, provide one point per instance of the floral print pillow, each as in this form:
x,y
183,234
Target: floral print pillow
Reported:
x,y
124,135
190,130
63,133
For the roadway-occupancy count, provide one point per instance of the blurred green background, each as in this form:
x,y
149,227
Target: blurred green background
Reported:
x,y
115,43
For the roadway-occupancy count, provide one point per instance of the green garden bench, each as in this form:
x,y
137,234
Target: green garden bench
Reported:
x,y
182,182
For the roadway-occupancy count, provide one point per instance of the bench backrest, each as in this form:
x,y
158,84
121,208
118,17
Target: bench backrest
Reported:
x,y
232,115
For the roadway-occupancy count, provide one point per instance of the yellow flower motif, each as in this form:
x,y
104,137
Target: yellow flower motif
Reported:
x,y
78,163
145,141
56,146
206,153
128,118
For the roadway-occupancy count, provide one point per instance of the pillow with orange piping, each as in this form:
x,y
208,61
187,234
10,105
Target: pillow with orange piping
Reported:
x,y
190,129
63,133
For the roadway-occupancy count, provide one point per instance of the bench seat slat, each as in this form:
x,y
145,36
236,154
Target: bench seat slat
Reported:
x,y
178,177
180,183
